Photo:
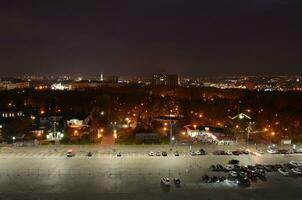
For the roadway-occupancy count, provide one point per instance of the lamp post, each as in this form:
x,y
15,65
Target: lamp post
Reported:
x,y
14,138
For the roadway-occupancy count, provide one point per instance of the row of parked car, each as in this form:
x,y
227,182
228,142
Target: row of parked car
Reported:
x,y
244,174
228,152
165,181
241,175
161,153
176,153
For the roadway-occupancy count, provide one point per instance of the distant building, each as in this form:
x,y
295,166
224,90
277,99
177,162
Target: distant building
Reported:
x,y
159,80
14,84
173,80
112,79
170,80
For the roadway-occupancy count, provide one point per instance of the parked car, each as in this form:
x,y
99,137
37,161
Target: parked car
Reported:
x,y
214,179
89,154
165,181
151,153
205,179
295,164
229,167
219,167
176,153
70,153
119,154
297,171
283,171
176,181
233,174
221,178
234,162
164,153
243,181
202,152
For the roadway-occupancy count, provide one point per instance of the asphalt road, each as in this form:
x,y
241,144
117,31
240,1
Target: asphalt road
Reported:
x,y
46,173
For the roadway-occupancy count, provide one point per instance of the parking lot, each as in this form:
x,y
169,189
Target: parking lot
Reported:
x,y
44,172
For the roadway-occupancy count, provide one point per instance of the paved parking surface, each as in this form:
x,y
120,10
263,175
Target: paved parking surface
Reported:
x,y
46,173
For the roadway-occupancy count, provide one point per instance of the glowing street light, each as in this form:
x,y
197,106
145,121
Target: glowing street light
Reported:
x,y
273,133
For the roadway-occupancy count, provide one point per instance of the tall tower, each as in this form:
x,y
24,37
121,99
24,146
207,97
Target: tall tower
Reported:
x,y
101,77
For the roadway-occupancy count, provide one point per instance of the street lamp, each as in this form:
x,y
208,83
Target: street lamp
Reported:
x,y
14,138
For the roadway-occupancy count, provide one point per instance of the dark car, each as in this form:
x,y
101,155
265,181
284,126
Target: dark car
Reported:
x,y
206,179
236,153
243,181
89,154
221,178
119,154
268,168
276,167
176,153
219,167
219,152
214,179
213,168
164,153
234,162
176,181
202,152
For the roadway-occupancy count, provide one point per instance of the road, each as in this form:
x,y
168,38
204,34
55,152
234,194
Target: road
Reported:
x,y
46,173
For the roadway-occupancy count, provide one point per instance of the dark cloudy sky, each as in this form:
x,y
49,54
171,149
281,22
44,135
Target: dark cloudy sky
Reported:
x,y
141,37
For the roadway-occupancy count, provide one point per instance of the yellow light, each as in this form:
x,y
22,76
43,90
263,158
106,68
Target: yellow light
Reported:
x,y
99,135
42,112
265,129
165,128
183,133
273,133
115,135
195,126
165,124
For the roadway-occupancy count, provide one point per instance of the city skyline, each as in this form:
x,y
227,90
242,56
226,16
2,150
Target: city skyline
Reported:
x,y
135,38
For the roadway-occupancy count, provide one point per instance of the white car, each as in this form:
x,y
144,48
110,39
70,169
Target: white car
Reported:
x,y
70,153
272,151
165,181
283,171
228,152
151,153
229,167
233,173
296,171
295,164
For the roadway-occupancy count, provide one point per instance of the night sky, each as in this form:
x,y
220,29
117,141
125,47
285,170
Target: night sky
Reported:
x,y
141,37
